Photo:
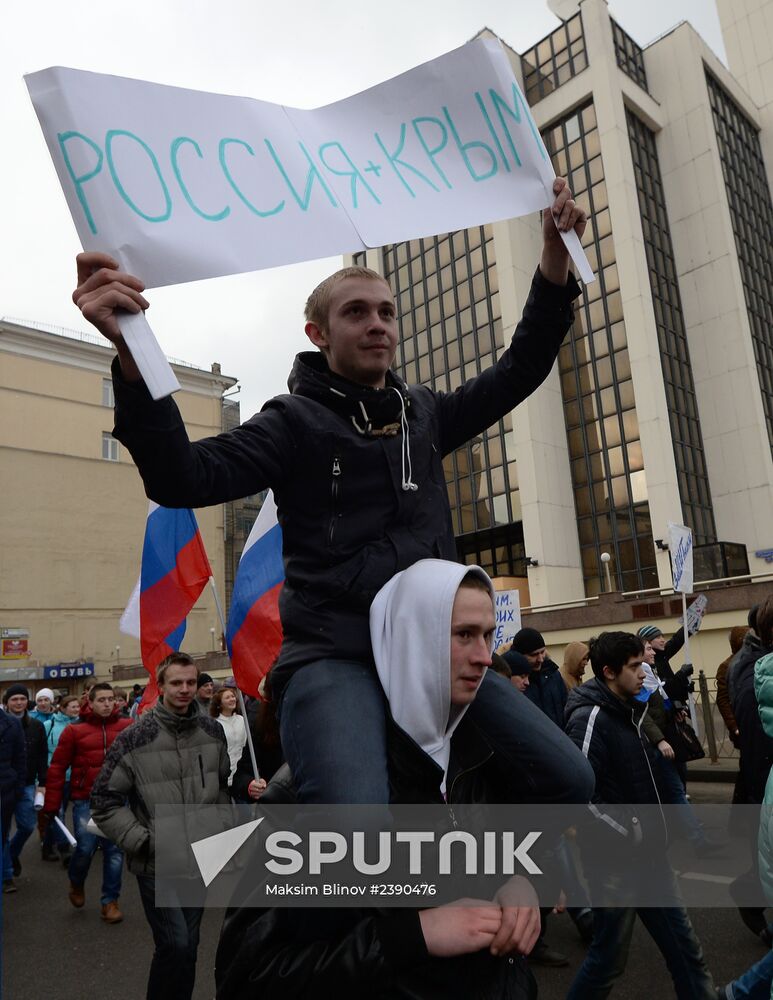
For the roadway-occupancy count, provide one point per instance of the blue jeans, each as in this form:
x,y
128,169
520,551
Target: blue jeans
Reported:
x,y
673,794
755,983
80,862
26,820
176,938
54,837
333,731
672,932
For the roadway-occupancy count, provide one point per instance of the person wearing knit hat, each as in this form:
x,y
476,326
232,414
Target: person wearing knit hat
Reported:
x,y
676,683
16,700
520,669
44,705
204,692
546,686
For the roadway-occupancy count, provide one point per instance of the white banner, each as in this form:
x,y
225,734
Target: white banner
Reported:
x,y
180,185
508,609
680,547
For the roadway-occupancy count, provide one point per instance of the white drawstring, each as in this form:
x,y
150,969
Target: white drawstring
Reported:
x,y
368,424
405,453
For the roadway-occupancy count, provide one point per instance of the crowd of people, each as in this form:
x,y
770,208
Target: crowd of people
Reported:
x,y
616,697
382,690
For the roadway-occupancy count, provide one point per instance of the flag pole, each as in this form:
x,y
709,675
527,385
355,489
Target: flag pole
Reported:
x,y
239,694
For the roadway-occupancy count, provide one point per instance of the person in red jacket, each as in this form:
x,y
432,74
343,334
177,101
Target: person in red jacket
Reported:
x,y
83,747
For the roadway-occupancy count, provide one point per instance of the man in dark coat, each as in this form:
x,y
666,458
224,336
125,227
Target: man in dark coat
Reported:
x,y
354,457
443,953
603,721
13,771
546,688
16,700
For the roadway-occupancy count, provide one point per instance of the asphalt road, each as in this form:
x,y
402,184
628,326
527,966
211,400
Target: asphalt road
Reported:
x,y
53,952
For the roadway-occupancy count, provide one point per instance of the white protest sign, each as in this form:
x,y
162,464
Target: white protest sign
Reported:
x,y
695,614
508,610
680,546
180,185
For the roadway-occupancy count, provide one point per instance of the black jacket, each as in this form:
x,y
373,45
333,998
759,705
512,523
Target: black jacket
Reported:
x,y
351,953
333,453
608,731
37,751
13,758
547,689
755,745
677,684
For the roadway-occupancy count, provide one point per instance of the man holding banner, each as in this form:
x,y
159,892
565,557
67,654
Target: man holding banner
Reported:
x,y
354,457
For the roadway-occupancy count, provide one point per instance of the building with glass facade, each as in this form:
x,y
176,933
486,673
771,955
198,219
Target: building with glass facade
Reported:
x,y
660,407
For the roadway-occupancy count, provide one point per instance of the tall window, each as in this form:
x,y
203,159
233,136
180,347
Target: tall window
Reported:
x,y
109,447
629,55
554,60
451,329
672,339
108,399
610,486
751,211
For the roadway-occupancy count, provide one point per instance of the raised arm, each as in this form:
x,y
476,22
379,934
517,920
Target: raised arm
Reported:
x,y
525,365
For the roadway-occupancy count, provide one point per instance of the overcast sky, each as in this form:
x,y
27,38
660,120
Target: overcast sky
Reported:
x,y
302,53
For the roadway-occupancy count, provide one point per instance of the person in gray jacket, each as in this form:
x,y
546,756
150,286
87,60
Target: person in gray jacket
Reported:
x,y
172,755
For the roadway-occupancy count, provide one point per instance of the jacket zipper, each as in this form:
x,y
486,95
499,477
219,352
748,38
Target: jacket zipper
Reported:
x,y
201,769
461,774
335,492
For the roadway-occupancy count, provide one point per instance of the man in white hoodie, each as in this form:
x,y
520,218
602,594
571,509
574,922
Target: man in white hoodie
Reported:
x,y
432,627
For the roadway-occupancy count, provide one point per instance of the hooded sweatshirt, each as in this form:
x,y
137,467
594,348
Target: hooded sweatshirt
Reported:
x,y
420,699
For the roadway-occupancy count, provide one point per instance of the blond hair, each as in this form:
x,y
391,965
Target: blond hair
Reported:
x,y
317,310
174,659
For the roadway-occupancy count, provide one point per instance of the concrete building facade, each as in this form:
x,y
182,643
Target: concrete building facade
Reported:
x,y
660,406
73,509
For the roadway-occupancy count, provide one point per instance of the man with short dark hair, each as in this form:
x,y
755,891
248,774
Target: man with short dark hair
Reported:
x,y
172,755
16,701
82,749
602,720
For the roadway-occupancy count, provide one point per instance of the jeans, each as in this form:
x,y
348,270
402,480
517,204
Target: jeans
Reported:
x,y
333,731
80,862
754,984
672,932
672,792
176,938
54,837
26,820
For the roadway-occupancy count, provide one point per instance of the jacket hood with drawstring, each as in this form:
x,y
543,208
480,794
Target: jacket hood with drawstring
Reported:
x,y
410,627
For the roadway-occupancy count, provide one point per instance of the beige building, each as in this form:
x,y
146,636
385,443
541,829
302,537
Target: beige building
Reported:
x,y
73,509
661,405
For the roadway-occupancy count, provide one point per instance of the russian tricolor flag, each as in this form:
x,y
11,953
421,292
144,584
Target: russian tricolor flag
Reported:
x,y
174,571
254,632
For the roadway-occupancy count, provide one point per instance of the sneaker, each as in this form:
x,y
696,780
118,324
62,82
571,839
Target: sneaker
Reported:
x,y
76,895
16,863
9,885
543,954
111,914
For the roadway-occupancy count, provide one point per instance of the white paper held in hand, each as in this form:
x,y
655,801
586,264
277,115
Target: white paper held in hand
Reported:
x,y
71,840
147,353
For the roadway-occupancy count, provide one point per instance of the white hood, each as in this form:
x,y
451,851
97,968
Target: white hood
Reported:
x,y
410,629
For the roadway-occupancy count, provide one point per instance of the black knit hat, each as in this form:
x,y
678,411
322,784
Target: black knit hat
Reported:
x,y
527,640
15,689
517,662
203,679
